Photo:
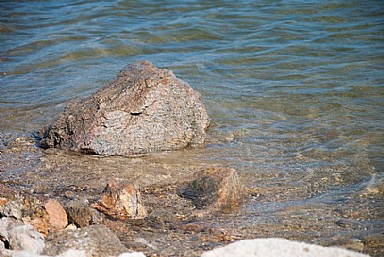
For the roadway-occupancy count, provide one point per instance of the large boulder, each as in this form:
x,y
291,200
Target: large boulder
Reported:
x,y
143,110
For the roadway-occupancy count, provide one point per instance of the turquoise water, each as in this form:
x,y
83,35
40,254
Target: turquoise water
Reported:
x,y
293,88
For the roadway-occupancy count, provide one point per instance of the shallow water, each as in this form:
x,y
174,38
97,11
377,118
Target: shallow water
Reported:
x,y
294,90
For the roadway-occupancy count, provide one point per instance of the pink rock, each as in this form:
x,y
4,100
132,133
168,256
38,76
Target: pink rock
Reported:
x,y
57,215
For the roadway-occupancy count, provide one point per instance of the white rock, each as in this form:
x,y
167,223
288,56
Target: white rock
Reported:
x,y
68,253
4,229
134,254
26,238
21,236
274,247
71,253
13,209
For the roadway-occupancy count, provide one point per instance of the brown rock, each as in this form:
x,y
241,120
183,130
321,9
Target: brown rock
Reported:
x,y
38,217
218,189
121,200
143,110
3,202
57,215
6,194
41,224
82,215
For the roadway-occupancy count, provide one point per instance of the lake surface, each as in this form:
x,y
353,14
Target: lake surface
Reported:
x,y
294,90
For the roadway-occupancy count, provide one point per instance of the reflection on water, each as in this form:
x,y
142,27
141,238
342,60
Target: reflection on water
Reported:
x,y
294,89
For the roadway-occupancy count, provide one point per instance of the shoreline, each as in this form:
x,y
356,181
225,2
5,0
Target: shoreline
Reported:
x,y
84,177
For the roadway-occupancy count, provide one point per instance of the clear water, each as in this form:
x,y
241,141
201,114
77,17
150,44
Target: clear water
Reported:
x,y
294,88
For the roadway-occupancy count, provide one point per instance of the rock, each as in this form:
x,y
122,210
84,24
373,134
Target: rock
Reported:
x,y
19,236
80,214
57,215
44,217
39,219
143,110
352,244
134,254
217,188
6,195
273,247
72,253
95,240
121,200
69,253
13,209
3,202
29,210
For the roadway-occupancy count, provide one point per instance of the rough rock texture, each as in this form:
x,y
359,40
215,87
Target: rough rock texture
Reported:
x,y
69,253
12,208
80,214
134,254
15,235
143,110
273,247
57,215
121,200
30,210
6,195
216,188
95,240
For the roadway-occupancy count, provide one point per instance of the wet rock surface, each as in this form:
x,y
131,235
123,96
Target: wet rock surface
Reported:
x,y
189,208
143,110
174,226
121,200
219,189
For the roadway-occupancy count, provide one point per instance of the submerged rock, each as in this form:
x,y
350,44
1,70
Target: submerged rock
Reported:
x,y
143,110
218,189
274,247
121,200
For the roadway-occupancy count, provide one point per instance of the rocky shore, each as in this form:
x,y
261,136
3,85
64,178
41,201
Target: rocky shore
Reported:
x,y
32,227
102,181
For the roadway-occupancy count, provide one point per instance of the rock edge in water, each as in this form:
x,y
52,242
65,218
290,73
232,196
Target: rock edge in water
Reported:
x,y
145,109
